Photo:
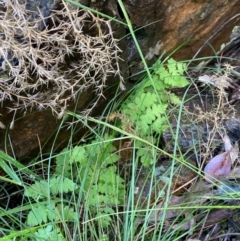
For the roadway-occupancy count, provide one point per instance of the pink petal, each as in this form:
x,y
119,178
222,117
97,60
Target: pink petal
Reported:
x,y
218,166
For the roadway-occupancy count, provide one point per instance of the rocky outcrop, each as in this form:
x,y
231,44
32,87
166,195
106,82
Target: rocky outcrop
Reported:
x,y
190,23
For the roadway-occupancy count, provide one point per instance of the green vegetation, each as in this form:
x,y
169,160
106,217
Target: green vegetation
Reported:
x,y
86,176
85,180
89,191
146,108
85,172
89,174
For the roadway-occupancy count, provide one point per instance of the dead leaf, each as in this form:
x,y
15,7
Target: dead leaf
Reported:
x,y
233,149
2,126
234,153
227,143
218,81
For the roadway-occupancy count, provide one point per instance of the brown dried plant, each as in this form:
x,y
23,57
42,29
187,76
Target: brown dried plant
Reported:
x,y
46,67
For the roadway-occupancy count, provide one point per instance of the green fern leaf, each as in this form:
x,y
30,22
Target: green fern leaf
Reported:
x,y
161,71
151,114
176,70
103,219
61,184
164,97
145,156
131,106
176,81
66,213
147,82
160,125
78,154
37,191
37,216
160,86
174,99
109,175
104,216
158,109
176,67
134,116
50,233
107,155
63,165
143,124
43,233
157,81
146,100
147,119
111,158
95,199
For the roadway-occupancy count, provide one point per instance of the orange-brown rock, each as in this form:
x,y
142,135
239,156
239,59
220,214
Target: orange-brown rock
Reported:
x,y
190,22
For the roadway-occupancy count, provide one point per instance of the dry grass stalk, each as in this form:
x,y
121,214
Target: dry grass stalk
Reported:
x,y
33,73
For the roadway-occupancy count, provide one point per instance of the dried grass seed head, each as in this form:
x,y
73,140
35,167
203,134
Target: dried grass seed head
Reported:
x,y
33,69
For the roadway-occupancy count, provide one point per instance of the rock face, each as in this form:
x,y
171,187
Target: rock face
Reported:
x,y
185,21
160,25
